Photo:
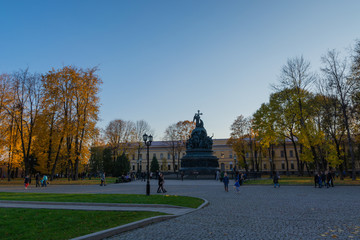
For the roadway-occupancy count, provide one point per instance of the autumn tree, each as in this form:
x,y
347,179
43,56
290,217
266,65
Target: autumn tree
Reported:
x,y
342,87
141,128
183,133
171,139
23,108
73,107
238,139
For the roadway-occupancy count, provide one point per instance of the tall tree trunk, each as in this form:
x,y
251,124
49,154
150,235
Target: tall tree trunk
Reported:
x,y
286,159
56,159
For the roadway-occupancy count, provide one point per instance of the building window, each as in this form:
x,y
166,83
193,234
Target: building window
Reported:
x,y
133,168
176,167
133,157
169,167
176,155
222,155
291,153
265,166
247,155
140,156
168,155
231,166
283,165
282,153
161,156
154,155
183,154
230,155
292,165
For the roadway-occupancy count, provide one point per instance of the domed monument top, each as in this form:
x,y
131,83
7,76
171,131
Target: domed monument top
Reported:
x,y
199,138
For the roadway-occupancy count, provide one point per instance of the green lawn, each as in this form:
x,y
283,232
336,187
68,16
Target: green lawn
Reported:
x,y
294,180
105,198
19,223
60,181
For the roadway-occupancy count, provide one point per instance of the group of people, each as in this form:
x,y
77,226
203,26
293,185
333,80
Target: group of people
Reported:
x,y
239,180
40,181
323,179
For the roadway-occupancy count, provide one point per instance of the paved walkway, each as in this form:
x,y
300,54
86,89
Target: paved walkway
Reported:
x,y
257,212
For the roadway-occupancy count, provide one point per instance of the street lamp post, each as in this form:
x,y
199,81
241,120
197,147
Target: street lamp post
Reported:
x,y
147,141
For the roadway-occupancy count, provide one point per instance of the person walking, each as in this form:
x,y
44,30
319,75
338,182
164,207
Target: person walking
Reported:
x,y
323,178
226,182
161,184
329,180
26,181
103,180
37,179
276,180
217,175
44,181
237,185
316,179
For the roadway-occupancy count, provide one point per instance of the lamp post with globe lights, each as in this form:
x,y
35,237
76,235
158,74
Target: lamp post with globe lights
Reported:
x,y
148,140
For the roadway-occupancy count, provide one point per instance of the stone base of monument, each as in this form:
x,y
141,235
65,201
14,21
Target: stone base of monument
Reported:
x,y
198,164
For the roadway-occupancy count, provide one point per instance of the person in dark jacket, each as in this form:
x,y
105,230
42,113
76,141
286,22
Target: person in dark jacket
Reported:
x,y
226,182
161,184
329,180
27,181
323,178
37,178
276,180
316,179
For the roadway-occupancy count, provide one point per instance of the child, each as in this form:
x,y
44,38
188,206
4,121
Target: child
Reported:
x,y
237,185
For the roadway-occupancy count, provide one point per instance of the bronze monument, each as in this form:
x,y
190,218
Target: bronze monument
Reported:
x,y
199,157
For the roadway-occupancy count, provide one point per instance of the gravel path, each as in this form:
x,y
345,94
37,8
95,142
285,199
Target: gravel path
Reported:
x,y
257,212
261,212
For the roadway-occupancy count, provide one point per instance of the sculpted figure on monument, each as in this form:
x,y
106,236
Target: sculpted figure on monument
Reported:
x,y
199,122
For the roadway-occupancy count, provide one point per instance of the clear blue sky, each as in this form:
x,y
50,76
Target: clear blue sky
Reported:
x,y
161,61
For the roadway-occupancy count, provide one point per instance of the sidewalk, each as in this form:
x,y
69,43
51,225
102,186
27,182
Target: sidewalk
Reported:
x,y
173,211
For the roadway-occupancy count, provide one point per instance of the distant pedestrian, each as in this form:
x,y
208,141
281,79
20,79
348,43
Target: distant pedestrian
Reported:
x,y
103,179
237,185
217,175
221,176
329,180
182,175
26,181
37,179
316,179
226,182
161,184
323,178
320,182
276,180
143,176
241,179
44,181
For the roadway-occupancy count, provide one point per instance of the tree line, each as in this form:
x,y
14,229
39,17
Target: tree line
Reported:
x,y
122,140
317,111
48,120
